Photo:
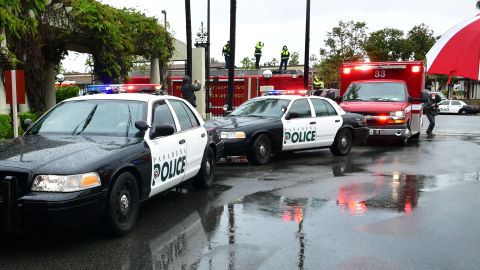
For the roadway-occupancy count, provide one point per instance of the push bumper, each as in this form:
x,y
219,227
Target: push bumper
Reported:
x,y
397,131
236,147
360,134
59,210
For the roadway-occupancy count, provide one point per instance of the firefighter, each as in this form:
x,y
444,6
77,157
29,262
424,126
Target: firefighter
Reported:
x,y
258,54
226,53
284,56
318,86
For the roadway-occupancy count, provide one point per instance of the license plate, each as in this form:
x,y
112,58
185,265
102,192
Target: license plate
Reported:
x,y
375,131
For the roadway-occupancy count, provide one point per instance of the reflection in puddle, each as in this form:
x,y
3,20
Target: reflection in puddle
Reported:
x,y
397,192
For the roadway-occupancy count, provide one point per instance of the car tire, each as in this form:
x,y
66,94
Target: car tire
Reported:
x,y
462,111
123,205
343,142
260,150
206,175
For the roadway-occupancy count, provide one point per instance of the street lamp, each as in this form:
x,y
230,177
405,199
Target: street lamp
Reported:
x,y
201,39
267,74
164,12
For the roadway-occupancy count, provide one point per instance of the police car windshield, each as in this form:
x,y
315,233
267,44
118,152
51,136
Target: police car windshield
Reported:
x,y
92,117
265,108
376,91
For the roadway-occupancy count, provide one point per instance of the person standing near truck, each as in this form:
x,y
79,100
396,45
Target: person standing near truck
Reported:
x,y
284,56
258,54
431,110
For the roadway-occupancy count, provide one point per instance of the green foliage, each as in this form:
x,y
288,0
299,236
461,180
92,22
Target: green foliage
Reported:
x,y
346,41
29,115
294,59
385,45
420,40
271,63
248,63
5,126
116,35
66,92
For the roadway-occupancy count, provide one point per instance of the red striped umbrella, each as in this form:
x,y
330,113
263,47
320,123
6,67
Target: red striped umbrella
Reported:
x,y
457,52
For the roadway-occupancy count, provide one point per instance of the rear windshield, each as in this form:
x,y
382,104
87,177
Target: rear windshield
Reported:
x,y
376,91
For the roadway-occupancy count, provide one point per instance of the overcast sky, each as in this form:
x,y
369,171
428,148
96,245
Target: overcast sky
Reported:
x,y
282,22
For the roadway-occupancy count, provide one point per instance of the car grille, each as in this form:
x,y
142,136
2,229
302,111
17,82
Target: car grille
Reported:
x,y
372,122
22,179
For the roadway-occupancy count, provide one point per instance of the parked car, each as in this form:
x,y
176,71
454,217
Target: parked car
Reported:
x,y
97,157
272,124
457,107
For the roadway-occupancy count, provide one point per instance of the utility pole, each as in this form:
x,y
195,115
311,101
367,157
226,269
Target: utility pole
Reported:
x,y
207,55
231,68
306,64
189,38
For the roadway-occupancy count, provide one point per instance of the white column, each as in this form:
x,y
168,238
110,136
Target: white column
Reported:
x,y
198,73
154,71
49,86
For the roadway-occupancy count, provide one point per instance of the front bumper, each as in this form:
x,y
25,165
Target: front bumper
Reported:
x,y
394,131
360,134
39,209
236,147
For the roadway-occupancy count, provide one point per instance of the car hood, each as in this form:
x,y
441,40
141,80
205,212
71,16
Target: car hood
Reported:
x,y
60,154
236,122
373,107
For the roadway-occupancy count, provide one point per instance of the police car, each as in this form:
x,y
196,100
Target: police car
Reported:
x,y
97,157
276,123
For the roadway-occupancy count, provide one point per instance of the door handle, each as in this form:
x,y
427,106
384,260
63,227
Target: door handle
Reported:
x,y
203,135
313,123
182,141
336,121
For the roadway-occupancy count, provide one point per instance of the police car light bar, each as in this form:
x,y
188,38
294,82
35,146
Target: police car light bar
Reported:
x,y
122,88
285,92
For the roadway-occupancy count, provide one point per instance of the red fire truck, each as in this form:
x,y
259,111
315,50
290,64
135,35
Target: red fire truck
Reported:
x,y
388,94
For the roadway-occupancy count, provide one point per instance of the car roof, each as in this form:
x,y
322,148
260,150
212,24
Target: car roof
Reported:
x,y
125,96
289,97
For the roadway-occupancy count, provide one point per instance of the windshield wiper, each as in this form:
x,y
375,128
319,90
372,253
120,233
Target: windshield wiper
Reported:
x,y
86,121
129,120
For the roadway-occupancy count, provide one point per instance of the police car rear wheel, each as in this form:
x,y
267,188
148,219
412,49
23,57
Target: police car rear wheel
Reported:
x,y
343,143
205,176
261,150
123,204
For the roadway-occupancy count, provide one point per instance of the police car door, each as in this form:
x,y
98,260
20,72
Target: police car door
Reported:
x,y
195,136
299,126
328,122
168,152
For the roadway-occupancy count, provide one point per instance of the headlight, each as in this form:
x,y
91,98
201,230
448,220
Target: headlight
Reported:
x,y
397,113
65,183
233,135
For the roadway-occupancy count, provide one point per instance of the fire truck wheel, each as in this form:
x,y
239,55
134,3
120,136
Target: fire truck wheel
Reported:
x,y
343,142
261,150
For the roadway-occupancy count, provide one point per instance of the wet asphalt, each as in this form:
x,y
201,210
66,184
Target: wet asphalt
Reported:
x,y
382,207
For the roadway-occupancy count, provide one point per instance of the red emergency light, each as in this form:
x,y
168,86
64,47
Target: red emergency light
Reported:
x,y
416,69
347,70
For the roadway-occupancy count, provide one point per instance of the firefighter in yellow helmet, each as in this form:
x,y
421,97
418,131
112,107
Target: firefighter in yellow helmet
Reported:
x,y
258,53
318,86
284,56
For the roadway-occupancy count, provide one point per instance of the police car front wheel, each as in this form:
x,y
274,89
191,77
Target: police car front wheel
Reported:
x,y
343,143
205,176
123,203
261,150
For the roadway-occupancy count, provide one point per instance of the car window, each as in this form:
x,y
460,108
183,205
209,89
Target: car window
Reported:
x,y
92,117
262,107
162,115
445,102
331,110
455,102
319,107
185,116
302,108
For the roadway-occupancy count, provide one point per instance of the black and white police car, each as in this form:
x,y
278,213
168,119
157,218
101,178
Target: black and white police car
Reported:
x,y
269,124
97,157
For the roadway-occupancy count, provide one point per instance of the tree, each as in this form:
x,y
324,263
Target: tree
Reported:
x,y
294,59
420,40
385,45
271,63
248,63
343,43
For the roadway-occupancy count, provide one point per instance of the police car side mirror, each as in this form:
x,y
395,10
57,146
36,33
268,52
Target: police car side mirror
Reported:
x,y
162,130
292,115
141,125
26,124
